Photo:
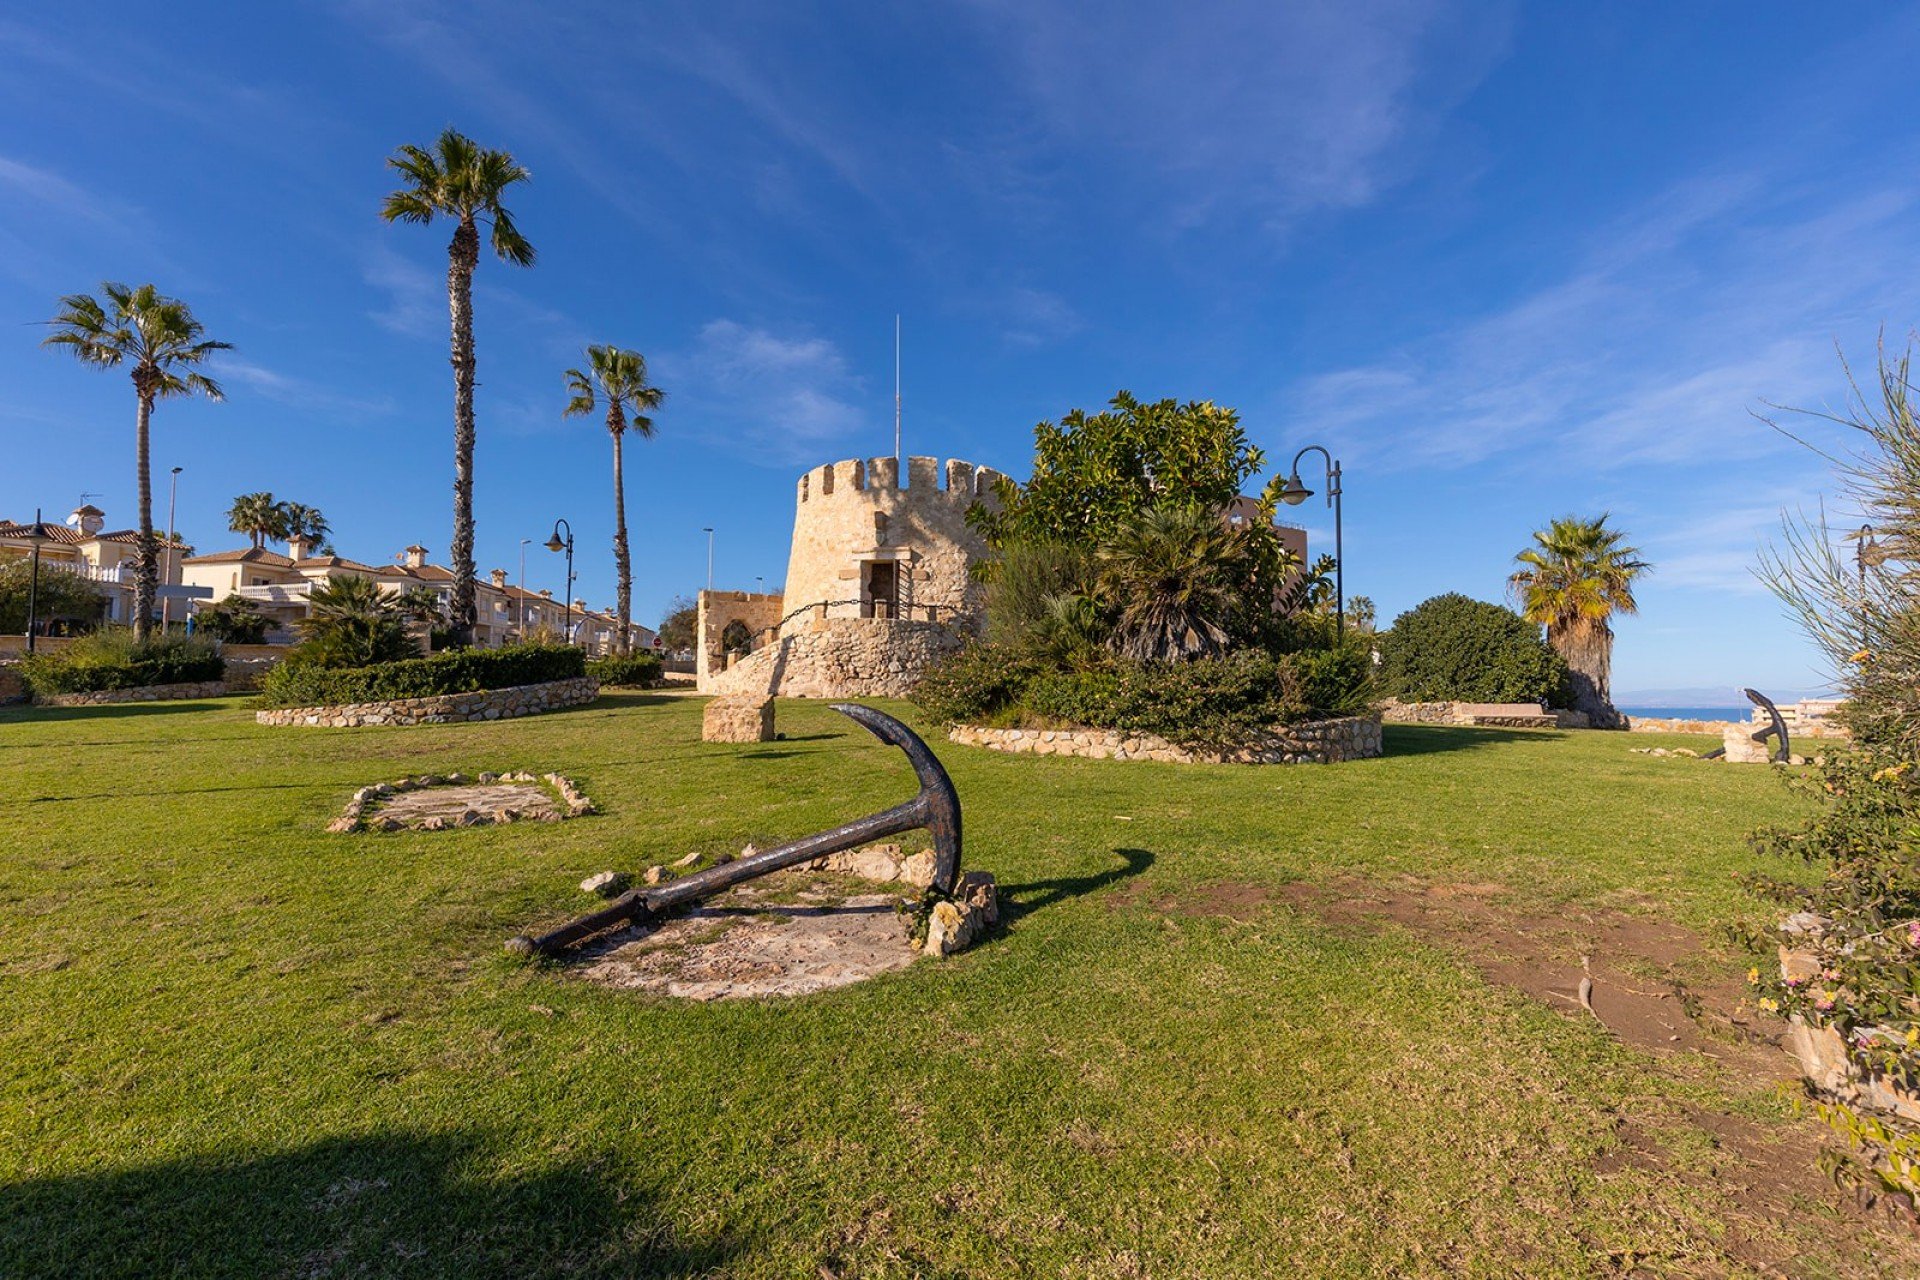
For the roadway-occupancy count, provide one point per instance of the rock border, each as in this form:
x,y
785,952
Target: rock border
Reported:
x,y
444,708
354,817
141,693
1312,742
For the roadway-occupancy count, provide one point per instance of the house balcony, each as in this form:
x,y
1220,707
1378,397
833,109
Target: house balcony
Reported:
x,y
292,593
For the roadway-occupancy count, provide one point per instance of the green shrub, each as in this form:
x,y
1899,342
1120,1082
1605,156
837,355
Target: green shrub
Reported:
x,y
236,620
637,671
974,685
1454,648
58,596
114,660
353,623
1213,702
294,684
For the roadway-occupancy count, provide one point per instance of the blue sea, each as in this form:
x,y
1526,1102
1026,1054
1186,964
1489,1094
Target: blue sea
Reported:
x,y
1741,714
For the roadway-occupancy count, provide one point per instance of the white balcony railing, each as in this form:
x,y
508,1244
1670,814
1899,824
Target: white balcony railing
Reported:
x,y
288,593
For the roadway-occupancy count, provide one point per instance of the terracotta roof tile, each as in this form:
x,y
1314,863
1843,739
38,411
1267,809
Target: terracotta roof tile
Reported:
x,y
243,555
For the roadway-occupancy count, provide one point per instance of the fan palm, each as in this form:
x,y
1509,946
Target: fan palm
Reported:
x,y
258,516
1575,577
165,346
465,182
302,521
619,377
1170,575
351,622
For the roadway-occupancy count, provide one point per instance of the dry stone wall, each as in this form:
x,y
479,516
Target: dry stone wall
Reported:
x,y
843,658
1315,742
145,693
446,708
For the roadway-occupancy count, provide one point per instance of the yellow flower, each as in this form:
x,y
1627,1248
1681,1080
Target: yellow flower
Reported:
x,y
1861,656
1769,1006
1753,977
1913,1037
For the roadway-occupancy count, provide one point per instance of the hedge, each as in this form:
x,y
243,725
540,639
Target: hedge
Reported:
x,y
1213,702
457,671
113,660
640,671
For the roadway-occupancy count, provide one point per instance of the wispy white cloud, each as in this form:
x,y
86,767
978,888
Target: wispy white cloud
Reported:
x,y
304,392
51,191
1655,347
416,299
781,398
1038,318
1246,106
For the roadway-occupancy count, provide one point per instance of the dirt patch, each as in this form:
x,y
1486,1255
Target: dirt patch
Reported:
x,y
776,939
1647,983
1231,899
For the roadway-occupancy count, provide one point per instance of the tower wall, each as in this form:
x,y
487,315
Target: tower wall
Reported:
x,y
854,514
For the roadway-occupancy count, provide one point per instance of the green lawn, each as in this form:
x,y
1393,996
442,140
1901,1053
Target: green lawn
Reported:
x,y
238,1046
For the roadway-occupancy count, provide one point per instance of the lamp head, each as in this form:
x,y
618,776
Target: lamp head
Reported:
x,y
554,543
1293,493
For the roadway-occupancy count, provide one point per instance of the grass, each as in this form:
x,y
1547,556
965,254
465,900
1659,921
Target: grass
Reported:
x,y
238,1046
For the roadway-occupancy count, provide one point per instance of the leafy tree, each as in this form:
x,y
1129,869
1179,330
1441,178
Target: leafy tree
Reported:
x,y
60,597
621,380
1169,576
352,623
1094,475
679,625
236,620
159,337
1575,577
466,183
1455,648
1029,577
259,517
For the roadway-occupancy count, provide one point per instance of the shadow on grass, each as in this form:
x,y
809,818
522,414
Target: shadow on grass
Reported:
x,y
27,713
387,1205
1018,900
1431,739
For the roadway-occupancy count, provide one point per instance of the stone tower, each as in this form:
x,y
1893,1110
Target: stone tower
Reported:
x,y
879,584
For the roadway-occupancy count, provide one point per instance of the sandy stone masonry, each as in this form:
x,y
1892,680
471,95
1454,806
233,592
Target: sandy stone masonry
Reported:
x,y
432,802
145,693
737,718
844,658
447,708
1316,742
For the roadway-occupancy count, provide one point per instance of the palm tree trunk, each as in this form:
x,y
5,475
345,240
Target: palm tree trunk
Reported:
x,y
622,559
146,559
1588,649
462,256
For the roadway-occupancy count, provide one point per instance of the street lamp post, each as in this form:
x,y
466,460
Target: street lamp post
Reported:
x,y
520,605
35,539
557,543
166,602
709,532
1293,493
1866,550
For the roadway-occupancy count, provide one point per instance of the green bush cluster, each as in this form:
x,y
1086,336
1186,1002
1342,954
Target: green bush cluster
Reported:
x,y
236,620
636,671
1215,702
115,660
1455,648
457,671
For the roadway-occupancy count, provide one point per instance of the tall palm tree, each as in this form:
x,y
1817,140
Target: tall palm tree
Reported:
x,y
465,182
1575,577
1170,574
258,516
621,378
298,520
165,346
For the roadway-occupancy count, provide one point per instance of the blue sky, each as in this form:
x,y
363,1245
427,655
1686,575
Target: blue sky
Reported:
x,y
1508,262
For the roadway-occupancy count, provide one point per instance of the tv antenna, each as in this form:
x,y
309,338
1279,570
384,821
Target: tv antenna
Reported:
x,y
74,519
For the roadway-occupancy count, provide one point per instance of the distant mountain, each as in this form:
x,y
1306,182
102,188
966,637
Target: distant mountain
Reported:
x,y
1706,696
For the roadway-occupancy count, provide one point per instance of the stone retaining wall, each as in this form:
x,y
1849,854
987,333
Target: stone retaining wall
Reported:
x,y
12,687
1478,715
842,658
446,708
1316,742
145,693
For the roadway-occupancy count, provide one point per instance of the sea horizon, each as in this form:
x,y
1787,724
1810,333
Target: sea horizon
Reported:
x,y
1690,713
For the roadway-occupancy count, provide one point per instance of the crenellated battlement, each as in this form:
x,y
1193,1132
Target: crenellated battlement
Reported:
x,y
965,482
